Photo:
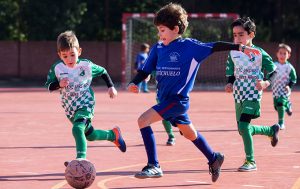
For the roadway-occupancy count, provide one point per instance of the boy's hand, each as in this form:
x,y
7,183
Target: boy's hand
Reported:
x,y
228,88
112,92
133,88
64,82
249,51
261,85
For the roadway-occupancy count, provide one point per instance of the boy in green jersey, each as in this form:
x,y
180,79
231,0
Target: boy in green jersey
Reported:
x,y
283,82
72,77
246,81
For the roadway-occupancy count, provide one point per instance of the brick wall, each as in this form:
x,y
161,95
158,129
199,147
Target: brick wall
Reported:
x,y
32,60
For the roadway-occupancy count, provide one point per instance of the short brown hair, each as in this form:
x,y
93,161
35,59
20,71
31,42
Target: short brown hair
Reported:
x,y
67,40
285,46
172,15
144,46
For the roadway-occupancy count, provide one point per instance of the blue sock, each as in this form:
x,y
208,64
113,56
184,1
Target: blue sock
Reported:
x,y
150,145
203,146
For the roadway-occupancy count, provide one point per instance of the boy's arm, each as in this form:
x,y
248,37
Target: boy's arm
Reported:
x,y
229,74
226,46
53,86
293,77
269,66
52,83
139,77
109,83
100,71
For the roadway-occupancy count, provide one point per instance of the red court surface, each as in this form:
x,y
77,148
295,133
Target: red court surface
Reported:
x,y
36,139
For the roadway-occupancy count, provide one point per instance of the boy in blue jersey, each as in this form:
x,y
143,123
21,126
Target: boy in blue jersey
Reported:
x,y
139,62
176,61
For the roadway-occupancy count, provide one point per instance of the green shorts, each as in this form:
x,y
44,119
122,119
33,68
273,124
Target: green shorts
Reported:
x,y
281,101
82,113
247,107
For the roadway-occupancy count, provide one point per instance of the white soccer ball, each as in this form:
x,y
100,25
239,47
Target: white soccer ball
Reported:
x,y
80,173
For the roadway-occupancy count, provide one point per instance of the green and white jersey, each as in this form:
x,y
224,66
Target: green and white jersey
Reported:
x,y
78,94
285,73
247,71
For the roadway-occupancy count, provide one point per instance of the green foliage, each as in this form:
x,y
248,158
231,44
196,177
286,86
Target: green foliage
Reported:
x,y
23,20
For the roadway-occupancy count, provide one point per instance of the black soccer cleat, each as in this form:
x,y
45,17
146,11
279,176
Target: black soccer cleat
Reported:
x,y
215,167
275,138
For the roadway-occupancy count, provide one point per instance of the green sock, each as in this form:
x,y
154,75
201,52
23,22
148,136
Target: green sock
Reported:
x,y
262,130
281,111
101,135
168,128
80,140
246,131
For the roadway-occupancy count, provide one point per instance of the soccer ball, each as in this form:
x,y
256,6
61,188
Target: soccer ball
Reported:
x,y
80,173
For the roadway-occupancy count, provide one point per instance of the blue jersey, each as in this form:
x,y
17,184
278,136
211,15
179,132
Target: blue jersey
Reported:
x,y
176,65
140,59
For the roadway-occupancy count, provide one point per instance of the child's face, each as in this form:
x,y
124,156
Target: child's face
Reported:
x,y
166,35
241,36
282,55
70,57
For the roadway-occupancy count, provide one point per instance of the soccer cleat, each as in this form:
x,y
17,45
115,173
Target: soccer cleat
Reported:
x,y
149,171
289,109
275,138
119,141
215,167
282,126
66,163
170,142
248,166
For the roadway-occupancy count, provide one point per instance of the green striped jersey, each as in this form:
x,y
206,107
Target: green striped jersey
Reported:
x,y
247,71
78,94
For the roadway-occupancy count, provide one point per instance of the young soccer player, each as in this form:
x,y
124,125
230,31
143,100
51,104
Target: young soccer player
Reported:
x,y
245,79
139,62
283,82
176,61
72,77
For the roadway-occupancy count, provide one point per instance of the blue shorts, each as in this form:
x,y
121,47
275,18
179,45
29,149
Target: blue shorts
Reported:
x,y
174,110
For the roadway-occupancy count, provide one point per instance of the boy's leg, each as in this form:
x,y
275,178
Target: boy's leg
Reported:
x,y
80,121
289,108
215,159
92,134
168,128
144,86
245,111
152,169
80,140
281,105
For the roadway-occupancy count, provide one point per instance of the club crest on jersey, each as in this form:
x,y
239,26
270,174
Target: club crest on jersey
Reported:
x,y
82,72
252,59
174,57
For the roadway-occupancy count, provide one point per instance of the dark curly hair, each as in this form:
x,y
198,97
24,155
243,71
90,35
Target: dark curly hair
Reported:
x,y
172,15
246,22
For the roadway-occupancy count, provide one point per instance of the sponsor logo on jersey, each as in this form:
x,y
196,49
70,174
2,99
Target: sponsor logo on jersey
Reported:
x,y
82,72
174,57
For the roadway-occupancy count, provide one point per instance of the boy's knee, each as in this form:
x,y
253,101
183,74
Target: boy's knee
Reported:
x,y
77,129
190,134
142,122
